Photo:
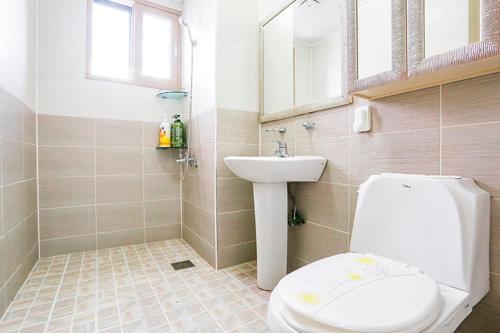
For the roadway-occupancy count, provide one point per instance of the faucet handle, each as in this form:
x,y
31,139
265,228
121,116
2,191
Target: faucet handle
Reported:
x,y
281,130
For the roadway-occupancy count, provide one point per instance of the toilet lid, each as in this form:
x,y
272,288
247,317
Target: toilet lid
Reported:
x,y
360,293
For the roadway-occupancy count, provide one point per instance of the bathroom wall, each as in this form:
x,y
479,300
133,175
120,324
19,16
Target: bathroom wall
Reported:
x,y
102,182
453,129
63,87
237,126
198,191
18,222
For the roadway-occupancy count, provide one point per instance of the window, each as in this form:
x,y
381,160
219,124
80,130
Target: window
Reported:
x,y
133,42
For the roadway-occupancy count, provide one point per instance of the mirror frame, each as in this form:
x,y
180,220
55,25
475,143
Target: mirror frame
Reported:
x,y
342,99
398,71
488,46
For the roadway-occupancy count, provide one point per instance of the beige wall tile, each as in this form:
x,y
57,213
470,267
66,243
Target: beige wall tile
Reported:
x,y
66,161
120,238
30,197
323,203
491,302
57,246
495,236
160,161
122,216
205,155
199,221
12,117
353,201
17,279
299,263
237,254
237,126
29,132
329,123
336,150
2,261
31,233
119,161
229,149
473,151
151,134
205,250
404,152
12,161
15,245
158,187
66,191
271,137
234,194
162,212
414,110
112,189
164,232
14,205
67,222
313,242
480,321
472,101
65,131
118,133
235,228
199,191
29,156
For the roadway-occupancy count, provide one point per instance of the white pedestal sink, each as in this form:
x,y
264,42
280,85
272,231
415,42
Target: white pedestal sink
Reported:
x,y
269,176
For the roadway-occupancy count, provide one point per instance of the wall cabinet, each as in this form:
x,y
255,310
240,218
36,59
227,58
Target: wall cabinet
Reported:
x,y
397,46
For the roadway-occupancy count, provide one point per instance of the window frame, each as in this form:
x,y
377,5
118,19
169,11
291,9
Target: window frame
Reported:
x,y
139,7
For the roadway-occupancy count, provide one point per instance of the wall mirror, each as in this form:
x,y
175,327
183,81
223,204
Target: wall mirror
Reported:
x,y
446,33
303,64
376,39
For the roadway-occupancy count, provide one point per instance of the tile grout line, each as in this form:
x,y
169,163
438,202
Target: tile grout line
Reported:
x,y
55,299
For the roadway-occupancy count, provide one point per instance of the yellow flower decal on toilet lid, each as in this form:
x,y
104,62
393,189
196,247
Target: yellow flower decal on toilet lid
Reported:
x,y
366,260
309,298
355,276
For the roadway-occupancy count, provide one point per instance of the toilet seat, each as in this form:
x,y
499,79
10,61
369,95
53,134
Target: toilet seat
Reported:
x,y
358,293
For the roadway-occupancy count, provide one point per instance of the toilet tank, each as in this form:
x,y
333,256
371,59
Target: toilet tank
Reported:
x,y
440,224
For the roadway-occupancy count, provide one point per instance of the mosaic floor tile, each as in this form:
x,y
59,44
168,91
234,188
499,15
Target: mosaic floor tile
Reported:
x,y
134,289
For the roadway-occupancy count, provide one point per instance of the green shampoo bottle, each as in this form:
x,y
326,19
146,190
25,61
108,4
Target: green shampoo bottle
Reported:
x,y
177,132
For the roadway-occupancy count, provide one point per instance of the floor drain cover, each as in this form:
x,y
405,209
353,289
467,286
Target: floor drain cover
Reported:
x,y
182,264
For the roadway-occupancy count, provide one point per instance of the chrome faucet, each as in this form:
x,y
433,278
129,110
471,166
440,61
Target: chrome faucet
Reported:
x,y
282,150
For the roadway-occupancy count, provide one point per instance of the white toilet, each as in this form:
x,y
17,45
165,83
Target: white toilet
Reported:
x,y
419,262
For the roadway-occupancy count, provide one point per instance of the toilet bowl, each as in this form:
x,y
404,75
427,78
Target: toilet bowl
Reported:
x,y
364,293
413,267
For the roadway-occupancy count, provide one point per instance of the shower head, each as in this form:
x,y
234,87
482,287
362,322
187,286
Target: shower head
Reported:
x,y
183,23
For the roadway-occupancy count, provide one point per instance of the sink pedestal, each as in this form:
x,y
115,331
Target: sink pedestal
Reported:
x,y
271,215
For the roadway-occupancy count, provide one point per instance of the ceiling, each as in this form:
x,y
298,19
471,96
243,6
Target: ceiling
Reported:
x,y
313,22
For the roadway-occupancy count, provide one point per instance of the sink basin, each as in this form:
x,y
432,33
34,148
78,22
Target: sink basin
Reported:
x,y
269,176
277,170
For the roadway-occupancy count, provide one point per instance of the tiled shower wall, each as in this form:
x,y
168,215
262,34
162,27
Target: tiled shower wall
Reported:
x,y
18,223
198,191
452,129
237,134
103,184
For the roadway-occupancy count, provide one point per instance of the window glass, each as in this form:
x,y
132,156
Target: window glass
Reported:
x,y
156,46
111,39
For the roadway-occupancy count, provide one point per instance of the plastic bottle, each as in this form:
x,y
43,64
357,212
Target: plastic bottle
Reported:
x,y
165,134
177,132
